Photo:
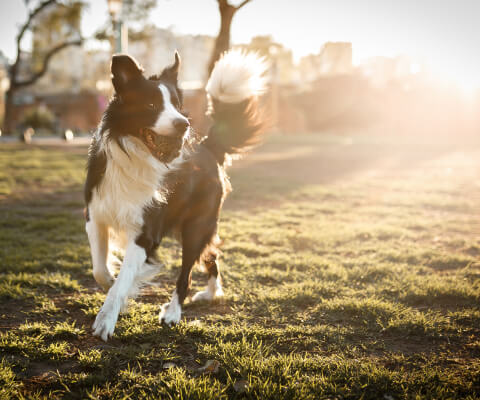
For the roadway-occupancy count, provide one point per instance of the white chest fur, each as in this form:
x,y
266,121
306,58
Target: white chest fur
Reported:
x,y
129,184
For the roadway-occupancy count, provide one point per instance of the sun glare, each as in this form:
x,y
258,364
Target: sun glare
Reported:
x,y
459,78
466,83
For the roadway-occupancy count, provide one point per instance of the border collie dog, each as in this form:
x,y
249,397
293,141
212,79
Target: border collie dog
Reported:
x,y
147,177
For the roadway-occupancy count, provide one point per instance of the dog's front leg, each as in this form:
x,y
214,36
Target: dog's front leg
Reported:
x,y
195,238
171,313
98,239
135,257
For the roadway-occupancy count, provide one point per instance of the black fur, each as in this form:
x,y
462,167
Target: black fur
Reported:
x,y
97,162
196,192
238,128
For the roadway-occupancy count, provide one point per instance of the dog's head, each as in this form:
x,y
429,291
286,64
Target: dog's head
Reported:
x,y
147,108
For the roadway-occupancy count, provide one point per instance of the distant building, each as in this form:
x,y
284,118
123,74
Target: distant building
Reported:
x,y
383,70
96,70
309,68
157,49
335,58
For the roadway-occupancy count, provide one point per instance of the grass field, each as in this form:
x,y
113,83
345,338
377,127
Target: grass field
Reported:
x,y
351,270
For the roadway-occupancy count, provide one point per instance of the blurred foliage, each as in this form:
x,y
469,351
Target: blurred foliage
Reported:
x,y
133,11
138,10
55,24
39,117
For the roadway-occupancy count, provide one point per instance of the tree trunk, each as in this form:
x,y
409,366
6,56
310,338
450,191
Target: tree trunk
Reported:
x,y
8,128
15,84
222,43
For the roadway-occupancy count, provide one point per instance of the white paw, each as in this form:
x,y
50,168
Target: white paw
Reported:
x,y
104,324
207,295
214,290
170,313
204,295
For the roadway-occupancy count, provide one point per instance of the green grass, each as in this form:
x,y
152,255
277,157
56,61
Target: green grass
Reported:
x,y
350,271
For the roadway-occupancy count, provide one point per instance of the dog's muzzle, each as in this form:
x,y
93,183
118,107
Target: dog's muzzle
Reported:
x,y
164,148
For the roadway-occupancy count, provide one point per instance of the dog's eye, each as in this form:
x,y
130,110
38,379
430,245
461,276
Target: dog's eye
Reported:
x,y
151,106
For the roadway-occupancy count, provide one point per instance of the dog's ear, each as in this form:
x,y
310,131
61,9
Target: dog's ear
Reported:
x,y
171,73
125,69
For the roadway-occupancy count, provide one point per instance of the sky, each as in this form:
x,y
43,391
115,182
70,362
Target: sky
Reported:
x,y
443,34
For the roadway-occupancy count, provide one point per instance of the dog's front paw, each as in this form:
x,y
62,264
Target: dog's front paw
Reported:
x,y
170,313
104,324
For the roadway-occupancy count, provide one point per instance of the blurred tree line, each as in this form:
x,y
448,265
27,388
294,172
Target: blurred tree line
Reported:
x,y
63,24
59,22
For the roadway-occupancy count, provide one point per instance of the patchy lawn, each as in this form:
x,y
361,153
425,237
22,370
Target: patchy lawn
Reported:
x,y
351,269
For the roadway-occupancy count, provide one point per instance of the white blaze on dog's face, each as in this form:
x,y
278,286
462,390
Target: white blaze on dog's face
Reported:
x,y
170,121
152,105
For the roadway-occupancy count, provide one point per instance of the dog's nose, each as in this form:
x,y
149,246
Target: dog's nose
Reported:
x,y
180,126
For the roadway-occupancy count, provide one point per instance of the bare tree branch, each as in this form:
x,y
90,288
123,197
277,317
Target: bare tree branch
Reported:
x,y
222,42
26,25
242,4
46,61
15,84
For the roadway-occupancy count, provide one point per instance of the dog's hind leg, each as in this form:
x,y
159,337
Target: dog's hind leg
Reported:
x,y
98,239
196,236
214,287
135,257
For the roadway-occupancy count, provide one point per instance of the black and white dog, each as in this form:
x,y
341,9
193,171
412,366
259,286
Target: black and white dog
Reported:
x,y
146,178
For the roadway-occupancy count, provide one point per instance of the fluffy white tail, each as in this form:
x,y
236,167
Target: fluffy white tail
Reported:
x,y
236,82
237,76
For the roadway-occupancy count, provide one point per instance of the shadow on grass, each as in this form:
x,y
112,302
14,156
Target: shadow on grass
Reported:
x,y
288,164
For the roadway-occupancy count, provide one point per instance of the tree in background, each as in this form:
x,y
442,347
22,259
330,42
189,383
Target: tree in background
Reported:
x,y
222,42
62,21
137,12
